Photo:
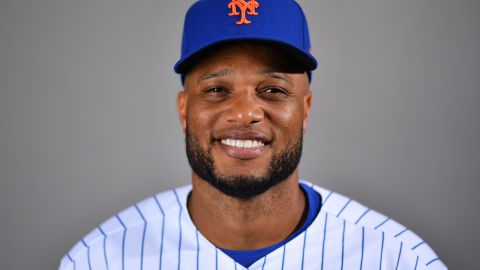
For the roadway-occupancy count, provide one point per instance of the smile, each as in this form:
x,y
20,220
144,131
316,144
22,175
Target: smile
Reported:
x,y
242,143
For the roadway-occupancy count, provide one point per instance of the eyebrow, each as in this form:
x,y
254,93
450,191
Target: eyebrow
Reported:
x,y
225,72
276,75
215,74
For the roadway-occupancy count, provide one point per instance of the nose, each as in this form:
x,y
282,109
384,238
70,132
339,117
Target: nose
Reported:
x,y
244,111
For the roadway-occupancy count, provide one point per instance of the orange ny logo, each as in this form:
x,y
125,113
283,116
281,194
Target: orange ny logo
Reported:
x,y
243,5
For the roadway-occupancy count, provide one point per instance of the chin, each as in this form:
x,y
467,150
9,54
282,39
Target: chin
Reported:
x,y
242,173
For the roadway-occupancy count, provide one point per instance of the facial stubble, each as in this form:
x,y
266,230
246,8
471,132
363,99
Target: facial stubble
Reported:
x,y
282,164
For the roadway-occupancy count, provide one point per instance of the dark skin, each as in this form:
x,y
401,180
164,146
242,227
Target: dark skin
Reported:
x,y
248,92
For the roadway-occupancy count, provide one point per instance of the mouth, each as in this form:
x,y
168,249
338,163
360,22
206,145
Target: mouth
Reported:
x,y
244,146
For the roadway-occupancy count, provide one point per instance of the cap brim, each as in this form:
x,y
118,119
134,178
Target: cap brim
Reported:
x,y
304,58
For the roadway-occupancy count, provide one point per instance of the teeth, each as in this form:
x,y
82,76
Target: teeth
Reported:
x,y
238,143
242,143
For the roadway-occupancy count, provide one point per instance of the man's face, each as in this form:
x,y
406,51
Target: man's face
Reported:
x,y
244,110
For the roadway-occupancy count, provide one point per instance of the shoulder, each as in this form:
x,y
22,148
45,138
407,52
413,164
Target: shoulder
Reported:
x,y
349,218
153,210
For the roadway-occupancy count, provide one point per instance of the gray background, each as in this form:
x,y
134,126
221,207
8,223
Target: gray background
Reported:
x,y
88,123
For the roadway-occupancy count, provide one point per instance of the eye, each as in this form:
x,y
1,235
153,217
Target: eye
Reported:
x,y
273,93
274,90
216,90
215,93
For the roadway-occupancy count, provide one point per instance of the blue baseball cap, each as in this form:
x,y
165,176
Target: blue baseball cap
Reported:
x,y
280,23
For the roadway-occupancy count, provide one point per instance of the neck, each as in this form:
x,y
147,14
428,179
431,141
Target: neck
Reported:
x,y
255,223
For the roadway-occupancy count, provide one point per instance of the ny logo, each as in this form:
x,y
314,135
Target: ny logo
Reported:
x,y
243,5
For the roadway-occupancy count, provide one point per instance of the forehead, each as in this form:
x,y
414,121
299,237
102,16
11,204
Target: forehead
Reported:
x,y
250,55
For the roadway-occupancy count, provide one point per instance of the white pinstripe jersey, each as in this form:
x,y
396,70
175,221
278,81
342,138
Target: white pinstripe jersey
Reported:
x,y
158,233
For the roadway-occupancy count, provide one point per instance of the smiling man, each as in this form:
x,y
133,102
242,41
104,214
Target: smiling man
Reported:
x,y
246,68
244,110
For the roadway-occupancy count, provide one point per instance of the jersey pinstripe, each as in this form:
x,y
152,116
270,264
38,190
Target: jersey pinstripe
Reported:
x,y
158,233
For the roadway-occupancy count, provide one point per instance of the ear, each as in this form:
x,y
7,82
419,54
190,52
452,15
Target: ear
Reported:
x,y
307,102
182,99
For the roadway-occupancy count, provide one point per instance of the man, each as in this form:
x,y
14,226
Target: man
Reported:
x,y
246,67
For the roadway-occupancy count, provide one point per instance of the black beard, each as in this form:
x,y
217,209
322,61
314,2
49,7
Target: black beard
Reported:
x,y
282,165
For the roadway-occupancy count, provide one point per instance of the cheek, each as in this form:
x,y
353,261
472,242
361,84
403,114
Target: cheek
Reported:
x,y
287,124
201,119
287,117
